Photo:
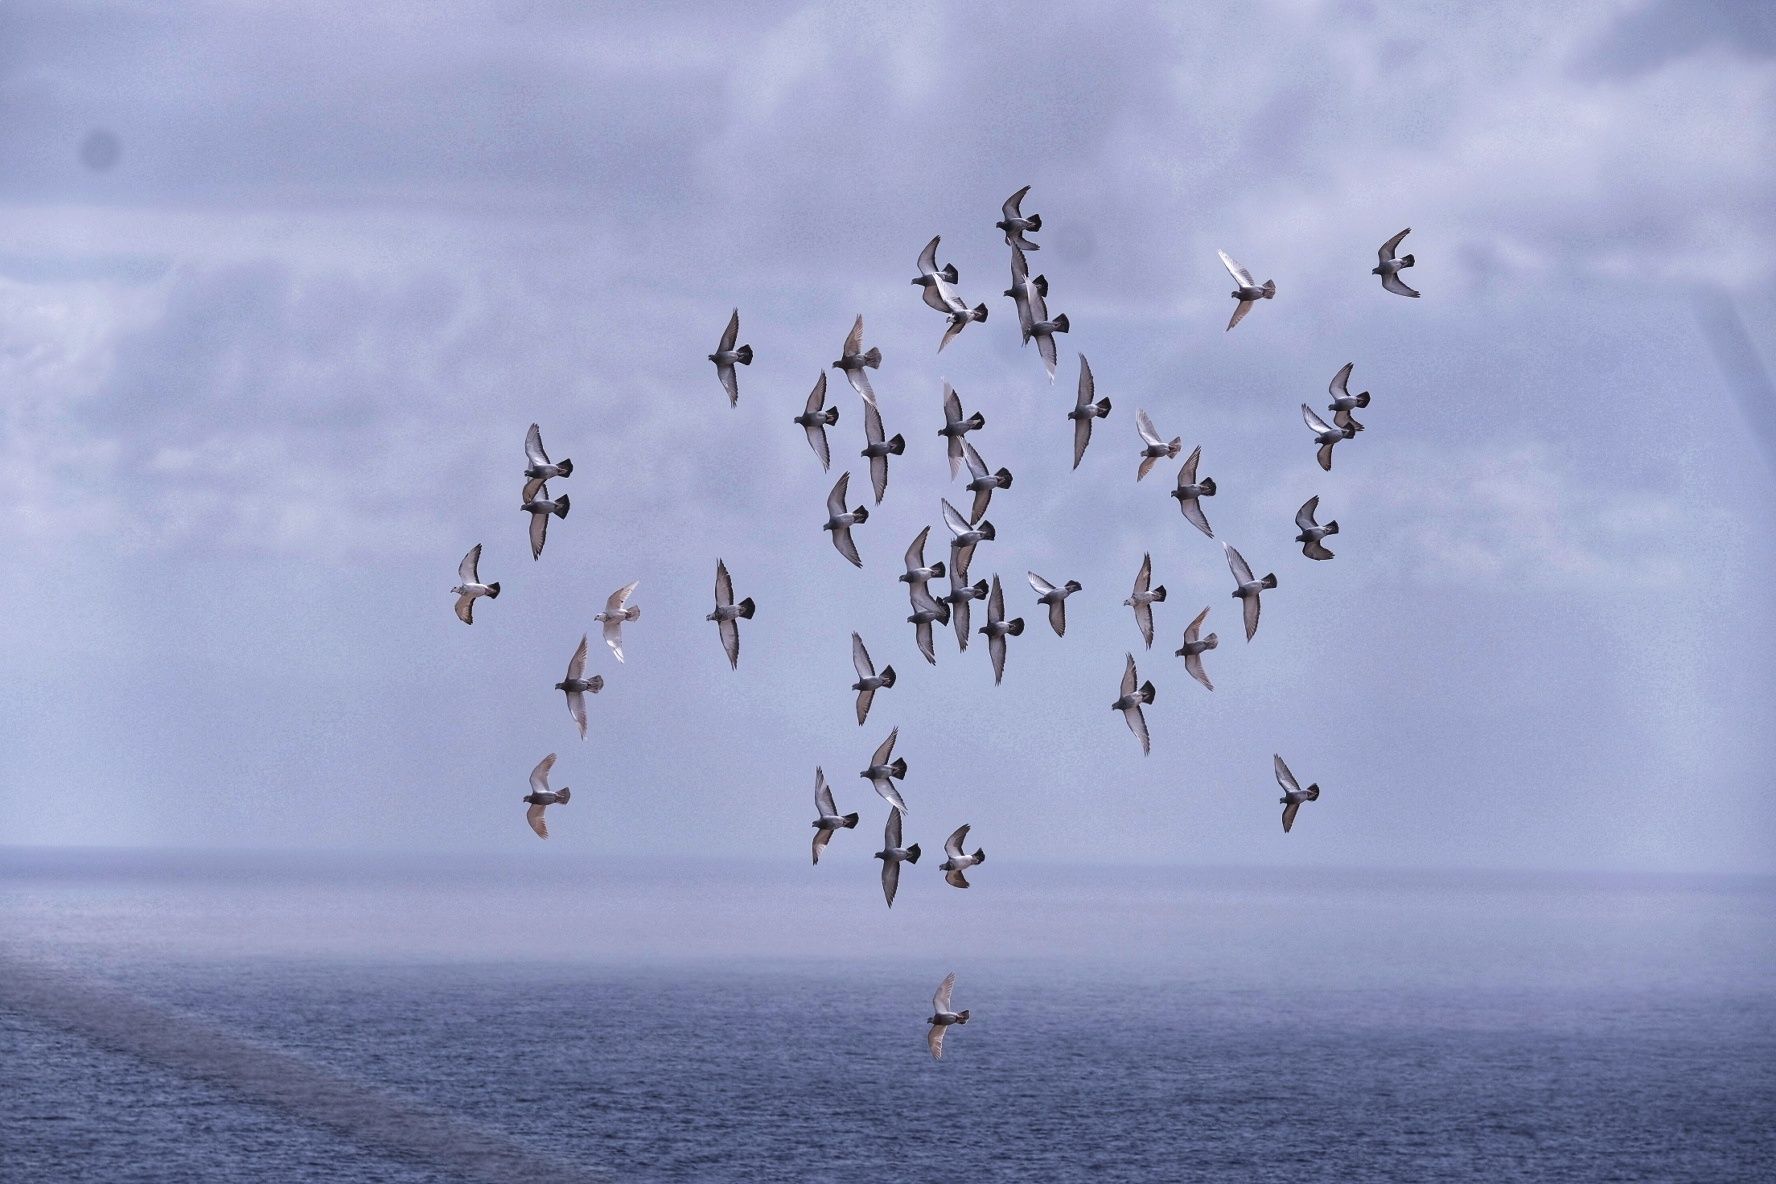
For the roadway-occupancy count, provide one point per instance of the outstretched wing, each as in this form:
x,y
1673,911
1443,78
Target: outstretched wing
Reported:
x,y
576,665
928,257
1304,517
1193,631
724,585
835,500
977,468
1194,664
1393,283
1137,722
467,570
730,335
872,424
846,545
619,598
1239,314
1289,812
730,382
1236,271
953,844
860,659
465,608
1087,388
1339,387
915,554
940,1000
1042,586
730,635
533,446
1130,680
576,710
1144,426
1010,208
953,518
817,441
1082,435
534,816
539,776
1285,778
1312,419
1387,250
854,339
1236,563
934,1040
823,799
539,534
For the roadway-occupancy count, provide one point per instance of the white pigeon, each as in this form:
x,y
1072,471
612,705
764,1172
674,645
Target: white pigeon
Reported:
x,y
1249,291
616,611
471,589
1153,448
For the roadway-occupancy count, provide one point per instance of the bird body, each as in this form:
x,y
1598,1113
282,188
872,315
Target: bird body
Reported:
x,y
893,854
539,505
956,600
827,819
1153,447
1084,411
728,615
956,425
1325,435
882,773
1343,402
868,681
878,449
998,629
855,362
617,609
840,520
815,418
1013,222
1055,599
966,536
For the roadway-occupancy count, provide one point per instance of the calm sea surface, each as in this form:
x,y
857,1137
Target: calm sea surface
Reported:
x,y
279,1019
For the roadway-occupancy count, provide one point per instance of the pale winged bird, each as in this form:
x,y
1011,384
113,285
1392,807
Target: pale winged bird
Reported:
x,y
1389,268
1129,703
942,1017
726,356
1249,291
840,520
537,466
1343,402
855,361
868,681
728,615
471,589
815,418
958,860
828,819
883,773
1248,589
541,796
539,505
1143,598
1055,598
956,425
1293,794
617,610
1195,646
577,686
1312,532
1325,435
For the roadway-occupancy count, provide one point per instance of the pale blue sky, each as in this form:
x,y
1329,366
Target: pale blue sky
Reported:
x,y
264,379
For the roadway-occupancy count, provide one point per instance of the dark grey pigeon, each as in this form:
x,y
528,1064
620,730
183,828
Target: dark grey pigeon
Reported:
x,y
577,686
840,521
1248,589
1056,600
855,361
1190,489
726,356
728,615
827,819
1194,647
982,483
539,505
877,449
893,855
1129,703
1142,599
998,629
1014,224
815,418
1084,411
956,426
868,681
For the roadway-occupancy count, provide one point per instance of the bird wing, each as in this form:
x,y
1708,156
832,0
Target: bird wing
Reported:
x,y
817,396
959,614
1087,388
1137,723
539,534
940,1000
956,326
955,879
465,608
1239,314
860,659
1042,586
1082,435
823,798
922,635
533,446
934,1040
1250,607
821,838
953,518
730,335
1236,563
928,257
846,545
1285,778
955,451
1339,387
1304,517
534,816
1144,621
915,554
467,570
872,424
1144,577
996,651
854,339
576,710
1393,283
1193,630
952,406
730,382
864,699
1193,663
1324,456
620,597
835,500
996,601
1311,418
860,383
1045,346
613,635
983,497
1193,513
890,878
576,665
730,635
1010,208
878,469
1130,680
1316,550
1144,426
539,776
1387,249
533,487
953,844
724,584
977,468
817,441
1236,271
885,749
1187,474
1289,810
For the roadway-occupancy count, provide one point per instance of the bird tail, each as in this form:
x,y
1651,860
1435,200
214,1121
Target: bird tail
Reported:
x,y
943,612
1270,289
1147,692
1208,486
1015,626
564,793
745,355
566,467
987,530
1060,323
747,607
1035,221
1269,581
1363,399
1407,261
1040,283
937,570
1175,447
1159,594
1073,586
850,821
913,853
632,613
1004,476
493,590
898,768
861,513
1103,407
980,313
1331,527
950,274
873,359
832,416
897,445
962,1017
887,676
1211,641
1312,793
980,855
561,506
977,421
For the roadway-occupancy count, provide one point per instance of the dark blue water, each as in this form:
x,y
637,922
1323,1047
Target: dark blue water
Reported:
x,y
1566,1055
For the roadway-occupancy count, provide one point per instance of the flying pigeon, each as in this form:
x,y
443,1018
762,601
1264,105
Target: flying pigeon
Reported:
x,y
955,427
982,483
868,681
882,774
1142,600
961,316
1129,703
1293,794
959,861
1248,588
957,601
1325,435
840,522
1056,600
539,505
1189,490
1194,647
998,629
878,450
917,574
577,686
1013,222
854,361
816,418
942,1017
725,356
1026,293
1389,268
926,612
1312,532
1248,291
1343,402
1084,411
932,278
1153,448
1044,330
893,855
828,819
616,611
541,796
471,588
727,614
537,465
967,537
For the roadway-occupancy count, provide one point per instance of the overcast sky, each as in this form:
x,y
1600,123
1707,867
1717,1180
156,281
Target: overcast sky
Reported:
x,y
280,292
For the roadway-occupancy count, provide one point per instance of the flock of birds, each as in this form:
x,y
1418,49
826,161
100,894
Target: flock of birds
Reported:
x,y
937,284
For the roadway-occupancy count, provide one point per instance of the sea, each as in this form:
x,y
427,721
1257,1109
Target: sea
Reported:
x,y
188,1017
